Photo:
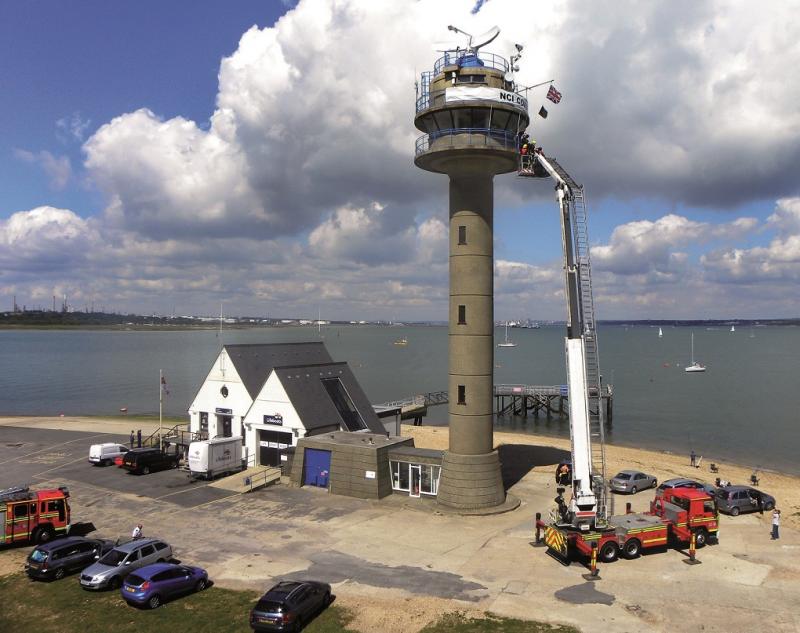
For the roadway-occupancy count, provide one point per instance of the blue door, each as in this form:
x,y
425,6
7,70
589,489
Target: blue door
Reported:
x,y
317,465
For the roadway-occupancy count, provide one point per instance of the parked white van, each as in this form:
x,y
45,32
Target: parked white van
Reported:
x,y
104,454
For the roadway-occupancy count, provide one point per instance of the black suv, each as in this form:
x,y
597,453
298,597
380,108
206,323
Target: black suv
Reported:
x,y
143,461
56,559
289,605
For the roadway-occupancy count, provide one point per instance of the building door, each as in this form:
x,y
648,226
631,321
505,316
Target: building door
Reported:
x,y
270,445
316,467
224,426
415,479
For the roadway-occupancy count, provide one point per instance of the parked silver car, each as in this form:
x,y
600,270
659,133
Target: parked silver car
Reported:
x,y
632,481
683,482
736,499
111,569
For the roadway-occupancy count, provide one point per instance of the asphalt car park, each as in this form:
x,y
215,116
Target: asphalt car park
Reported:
x,y
28,456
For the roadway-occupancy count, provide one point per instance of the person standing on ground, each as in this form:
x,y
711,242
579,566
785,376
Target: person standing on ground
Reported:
x,y
131,438
139,438
693,459
137,532
776,523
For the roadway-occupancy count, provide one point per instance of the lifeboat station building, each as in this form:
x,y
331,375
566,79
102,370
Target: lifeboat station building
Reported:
x,y
274,394
295,407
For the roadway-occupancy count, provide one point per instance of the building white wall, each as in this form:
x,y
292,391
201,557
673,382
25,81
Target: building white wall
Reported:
x,y
271,400
209,398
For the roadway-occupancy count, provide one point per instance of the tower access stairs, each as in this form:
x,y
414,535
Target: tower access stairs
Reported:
x,y
529,167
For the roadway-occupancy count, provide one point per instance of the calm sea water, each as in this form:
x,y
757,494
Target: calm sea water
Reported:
x,y
745,408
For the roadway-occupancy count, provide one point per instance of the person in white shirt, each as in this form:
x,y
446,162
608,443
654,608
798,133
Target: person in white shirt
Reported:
x,y
776,523
137,532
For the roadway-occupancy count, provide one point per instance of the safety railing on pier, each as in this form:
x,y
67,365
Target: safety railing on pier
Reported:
x,y
467,137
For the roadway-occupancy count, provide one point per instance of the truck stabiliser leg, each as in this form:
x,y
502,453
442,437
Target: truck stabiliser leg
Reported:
x,y
593,574
692,560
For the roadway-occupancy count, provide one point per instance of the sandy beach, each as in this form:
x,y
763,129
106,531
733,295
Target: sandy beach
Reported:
x,y
665,465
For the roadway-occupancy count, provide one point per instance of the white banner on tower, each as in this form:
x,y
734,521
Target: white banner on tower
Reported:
x,y
484,93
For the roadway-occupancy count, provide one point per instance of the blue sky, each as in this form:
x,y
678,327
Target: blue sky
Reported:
x,y
178,154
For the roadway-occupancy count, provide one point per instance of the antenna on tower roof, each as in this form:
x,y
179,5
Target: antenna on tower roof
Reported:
x,y
476,43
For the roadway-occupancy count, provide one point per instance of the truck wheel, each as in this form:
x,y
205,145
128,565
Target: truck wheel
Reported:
x,y
700,538
608,552
632,548
43,535
735,511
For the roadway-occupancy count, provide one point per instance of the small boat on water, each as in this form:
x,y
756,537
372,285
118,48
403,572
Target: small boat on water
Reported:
x,y
401,342
695,367
506,343
660,333
733,329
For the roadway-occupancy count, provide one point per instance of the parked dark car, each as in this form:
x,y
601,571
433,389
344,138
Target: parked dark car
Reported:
x,y
154,584
56,559
734,500
143,461
682,482
289,605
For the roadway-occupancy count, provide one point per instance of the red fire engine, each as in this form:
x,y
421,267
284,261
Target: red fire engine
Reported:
x,y
33,515
675,516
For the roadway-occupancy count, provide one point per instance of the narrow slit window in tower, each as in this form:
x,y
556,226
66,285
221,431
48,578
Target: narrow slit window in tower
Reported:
x,y
462,315
462,394
462,234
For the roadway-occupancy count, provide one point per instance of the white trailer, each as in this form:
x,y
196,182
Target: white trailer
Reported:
x,y
211,458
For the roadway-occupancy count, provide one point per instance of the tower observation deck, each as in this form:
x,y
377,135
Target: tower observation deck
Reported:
x,y
471,115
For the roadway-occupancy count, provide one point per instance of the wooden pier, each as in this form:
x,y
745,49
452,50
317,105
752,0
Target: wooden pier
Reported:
x,y
518,400
549,401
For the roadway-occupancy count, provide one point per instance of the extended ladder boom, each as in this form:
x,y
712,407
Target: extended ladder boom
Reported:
x,y
583,373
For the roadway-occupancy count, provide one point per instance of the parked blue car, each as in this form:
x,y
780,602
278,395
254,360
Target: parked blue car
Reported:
x,y
154,584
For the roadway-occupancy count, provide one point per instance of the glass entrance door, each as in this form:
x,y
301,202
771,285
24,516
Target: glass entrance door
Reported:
x,y
415,479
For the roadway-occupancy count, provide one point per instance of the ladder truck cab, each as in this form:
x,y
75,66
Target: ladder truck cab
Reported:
x,y
33,516
583,522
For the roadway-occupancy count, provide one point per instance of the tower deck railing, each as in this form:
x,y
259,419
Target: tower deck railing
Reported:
x,y
467,137
466,58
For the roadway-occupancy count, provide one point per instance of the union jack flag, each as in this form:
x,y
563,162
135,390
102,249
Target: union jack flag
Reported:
x,y
554,95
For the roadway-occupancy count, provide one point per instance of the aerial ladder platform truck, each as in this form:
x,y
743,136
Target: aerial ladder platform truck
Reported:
x,y
583,525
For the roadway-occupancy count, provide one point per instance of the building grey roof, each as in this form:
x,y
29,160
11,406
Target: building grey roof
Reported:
x,y
307,392
254,363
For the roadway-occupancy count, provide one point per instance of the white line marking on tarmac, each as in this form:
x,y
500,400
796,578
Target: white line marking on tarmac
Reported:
x,y
74,461
55,446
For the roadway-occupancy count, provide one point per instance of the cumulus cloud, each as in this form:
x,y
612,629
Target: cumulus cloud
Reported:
x,y
301,185
645,246
57,168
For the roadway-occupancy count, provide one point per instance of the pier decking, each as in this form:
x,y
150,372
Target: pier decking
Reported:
x,y
519,400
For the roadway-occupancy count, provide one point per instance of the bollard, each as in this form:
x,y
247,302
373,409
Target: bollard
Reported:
x,y
538,529
628,508
593,575
692,552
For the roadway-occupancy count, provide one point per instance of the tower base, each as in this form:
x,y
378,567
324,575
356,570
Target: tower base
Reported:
x,y
471,482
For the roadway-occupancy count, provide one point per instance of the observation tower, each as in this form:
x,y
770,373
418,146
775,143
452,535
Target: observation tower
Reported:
x,y
471,114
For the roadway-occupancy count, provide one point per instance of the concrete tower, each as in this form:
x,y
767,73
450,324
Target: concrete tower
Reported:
x,y
470,113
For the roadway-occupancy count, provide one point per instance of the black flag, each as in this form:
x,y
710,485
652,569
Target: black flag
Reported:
x,y
543,112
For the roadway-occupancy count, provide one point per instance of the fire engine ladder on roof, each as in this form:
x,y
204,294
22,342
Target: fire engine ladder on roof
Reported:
x,y
577,209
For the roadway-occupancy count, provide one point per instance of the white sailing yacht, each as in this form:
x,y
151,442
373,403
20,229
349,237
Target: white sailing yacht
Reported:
x,y
660,333
506,343
733,329
695,366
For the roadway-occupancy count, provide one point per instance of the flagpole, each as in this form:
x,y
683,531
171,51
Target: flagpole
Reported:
x,y
537,85
160,407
